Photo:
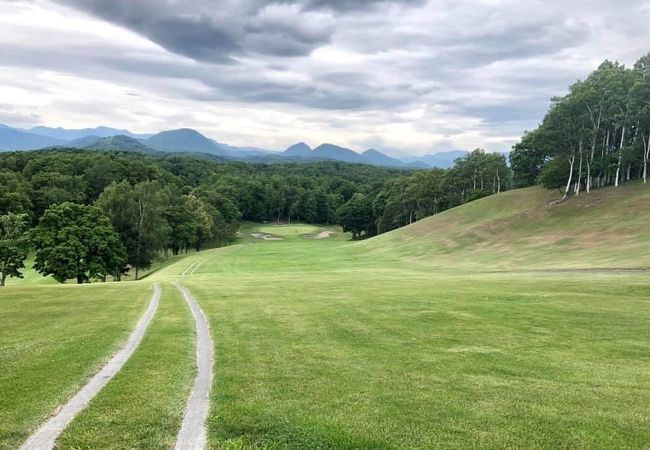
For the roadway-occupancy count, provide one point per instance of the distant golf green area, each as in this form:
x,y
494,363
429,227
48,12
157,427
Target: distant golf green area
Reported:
x,y
288,230
457,332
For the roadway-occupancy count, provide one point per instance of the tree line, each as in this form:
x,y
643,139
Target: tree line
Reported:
x,y
93,215
408,198
596,135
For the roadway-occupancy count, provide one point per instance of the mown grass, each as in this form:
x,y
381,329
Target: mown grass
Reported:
x,y
52,339
528,229
461,331
319,346
288,230
142,407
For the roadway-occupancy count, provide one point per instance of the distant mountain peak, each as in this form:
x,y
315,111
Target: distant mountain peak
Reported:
x,y
189,140
300,149
119,143
184,140
331,151
73,134
15,139
442,160
377,158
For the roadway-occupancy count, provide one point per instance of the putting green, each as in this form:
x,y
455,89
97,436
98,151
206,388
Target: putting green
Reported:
x,y
288,230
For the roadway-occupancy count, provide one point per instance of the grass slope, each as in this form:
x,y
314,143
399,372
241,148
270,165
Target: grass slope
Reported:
x,y
523,229
52,339
327,344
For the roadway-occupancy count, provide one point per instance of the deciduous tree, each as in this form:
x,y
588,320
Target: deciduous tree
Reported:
x,y
14,245
78,242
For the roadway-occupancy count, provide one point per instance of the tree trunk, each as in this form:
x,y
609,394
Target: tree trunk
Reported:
x,y
498,182
646,156
602,180
80,279
579,171
137,272
3,277
590,161
620,157
572,160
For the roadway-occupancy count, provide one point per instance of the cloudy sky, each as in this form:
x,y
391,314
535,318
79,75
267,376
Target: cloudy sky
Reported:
x,y
403,76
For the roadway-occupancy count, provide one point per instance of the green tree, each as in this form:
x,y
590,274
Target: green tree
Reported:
x,y
528,158
14,245
191,224
203,216
136,215
356,216
15,193
75,241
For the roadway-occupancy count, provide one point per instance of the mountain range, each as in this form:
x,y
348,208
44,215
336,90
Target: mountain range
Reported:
x,y
186,140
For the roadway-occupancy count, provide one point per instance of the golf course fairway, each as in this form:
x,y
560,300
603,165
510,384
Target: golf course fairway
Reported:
x,y
449,334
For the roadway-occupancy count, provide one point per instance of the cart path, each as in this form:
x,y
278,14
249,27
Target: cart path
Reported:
x,y
193,434
45,437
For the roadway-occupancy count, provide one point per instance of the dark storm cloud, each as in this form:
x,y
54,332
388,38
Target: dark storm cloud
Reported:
x,y
217,30
197,36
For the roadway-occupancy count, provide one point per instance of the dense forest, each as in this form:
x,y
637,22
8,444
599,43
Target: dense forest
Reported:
x,y
91,215
596,135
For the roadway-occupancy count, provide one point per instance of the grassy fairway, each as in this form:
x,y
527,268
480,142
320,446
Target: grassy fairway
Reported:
x,y
471,329
319,346
143,405
288,230
52,338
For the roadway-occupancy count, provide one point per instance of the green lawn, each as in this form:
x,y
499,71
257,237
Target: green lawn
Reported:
x,y
52,339
317,346
471,329
142,407
289,230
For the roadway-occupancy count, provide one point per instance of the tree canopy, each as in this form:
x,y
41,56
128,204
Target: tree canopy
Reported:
x,y
14,245
596,135
75,241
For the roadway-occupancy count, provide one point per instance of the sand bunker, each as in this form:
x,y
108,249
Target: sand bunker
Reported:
x,y
266,237
324,234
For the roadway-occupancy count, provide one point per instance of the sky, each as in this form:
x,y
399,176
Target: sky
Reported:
x,y
408,77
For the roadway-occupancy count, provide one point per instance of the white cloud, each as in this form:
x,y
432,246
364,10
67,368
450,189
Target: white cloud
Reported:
x,y
408,77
